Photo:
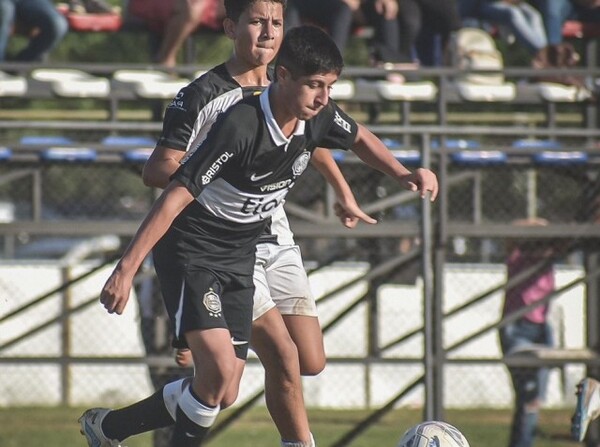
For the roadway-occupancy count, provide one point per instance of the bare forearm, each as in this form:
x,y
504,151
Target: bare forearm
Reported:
x,y
323,162
168,206
373,152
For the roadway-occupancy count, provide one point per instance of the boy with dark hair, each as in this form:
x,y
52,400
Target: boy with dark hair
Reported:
x,y
205,225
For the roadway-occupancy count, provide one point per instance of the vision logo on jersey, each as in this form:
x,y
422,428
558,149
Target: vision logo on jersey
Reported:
x,y
177,102
212,302
342,122
215,167
301,163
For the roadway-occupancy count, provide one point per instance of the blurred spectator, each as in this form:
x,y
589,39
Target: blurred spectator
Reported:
x,y
382,16
556,12
517,16
91,7
426,28
530,331
37,19
174,21
335,16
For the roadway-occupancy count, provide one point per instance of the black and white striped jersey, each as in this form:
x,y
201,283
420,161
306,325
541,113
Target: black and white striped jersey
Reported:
x,y
192,112
244,168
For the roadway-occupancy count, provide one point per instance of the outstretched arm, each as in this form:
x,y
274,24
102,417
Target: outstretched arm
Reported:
x,y
172,201
346,209
370,149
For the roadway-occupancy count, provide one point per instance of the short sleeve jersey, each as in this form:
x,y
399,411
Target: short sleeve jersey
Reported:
x,y
193,111
241,174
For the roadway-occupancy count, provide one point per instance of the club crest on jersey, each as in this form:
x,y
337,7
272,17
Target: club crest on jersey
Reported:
x,y
301,163
212,302
342,122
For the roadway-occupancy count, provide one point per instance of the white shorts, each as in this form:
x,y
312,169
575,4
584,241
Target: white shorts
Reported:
x,y
281,281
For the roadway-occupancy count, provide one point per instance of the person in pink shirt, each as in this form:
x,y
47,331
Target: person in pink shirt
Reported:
x,y
529,331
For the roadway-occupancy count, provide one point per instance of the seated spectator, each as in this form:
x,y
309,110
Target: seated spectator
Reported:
x,y
335,16
556,12
382,16
426,28
518,16
174,21
39,20
91,7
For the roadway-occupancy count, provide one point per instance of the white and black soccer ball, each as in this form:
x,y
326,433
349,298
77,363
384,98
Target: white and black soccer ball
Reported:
x,y
433,434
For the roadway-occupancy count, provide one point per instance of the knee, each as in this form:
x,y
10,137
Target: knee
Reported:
x,y
313,366
229,398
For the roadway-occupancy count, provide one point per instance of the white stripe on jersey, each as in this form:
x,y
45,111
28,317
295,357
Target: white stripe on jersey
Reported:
x,y
207,117
225,201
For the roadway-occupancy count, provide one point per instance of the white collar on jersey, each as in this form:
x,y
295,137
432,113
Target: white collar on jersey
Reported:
x,y
276,133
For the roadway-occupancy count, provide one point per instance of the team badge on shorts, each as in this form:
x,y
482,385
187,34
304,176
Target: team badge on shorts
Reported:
x,y
212,302
301,163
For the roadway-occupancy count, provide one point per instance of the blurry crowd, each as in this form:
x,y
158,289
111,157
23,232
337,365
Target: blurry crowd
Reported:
x,y
405,33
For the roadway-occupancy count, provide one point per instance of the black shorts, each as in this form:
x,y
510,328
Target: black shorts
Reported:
x,y
204,299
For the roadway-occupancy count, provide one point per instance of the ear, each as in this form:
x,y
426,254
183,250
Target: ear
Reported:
x,y
229,28
282,73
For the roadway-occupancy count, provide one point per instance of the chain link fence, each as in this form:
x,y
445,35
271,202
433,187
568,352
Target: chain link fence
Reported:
x,y
65,221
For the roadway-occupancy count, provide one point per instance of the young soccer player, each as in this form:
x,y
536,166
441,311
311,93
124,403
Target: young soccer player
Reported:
x,y
286,334
205,225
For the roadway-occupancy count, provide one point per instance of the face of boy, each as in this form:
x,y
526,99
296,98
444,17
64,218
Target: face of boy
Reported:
x,y
258,33
307,95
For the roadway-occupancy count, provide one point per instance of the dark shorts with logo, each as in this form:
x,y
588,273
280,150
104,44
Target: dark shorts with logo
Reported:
x,y
204,299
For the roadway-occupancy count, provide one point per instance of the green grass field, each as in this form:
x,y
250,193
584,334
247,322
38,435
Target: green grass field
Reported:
x,y
57,427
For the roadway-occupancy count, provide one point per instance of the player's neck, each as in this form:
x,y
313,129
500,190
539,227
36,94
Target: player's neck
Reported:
x,y
286,120
247,76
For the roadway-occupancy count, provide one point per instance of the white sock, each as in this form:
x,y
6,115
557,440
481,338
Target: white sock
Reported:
x,y
172,392
196,411
310,443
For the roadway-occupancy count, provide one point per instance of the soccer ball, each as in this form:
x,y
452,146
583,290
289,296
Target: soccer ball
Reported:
x,y
433,434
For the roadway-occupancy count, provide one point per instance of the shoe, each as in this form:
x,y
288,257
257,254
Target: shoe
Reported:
x,y
91,428
587,409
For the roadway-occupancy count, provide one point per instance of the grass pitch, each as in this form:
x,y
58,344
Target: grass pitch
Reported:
x,y
58,427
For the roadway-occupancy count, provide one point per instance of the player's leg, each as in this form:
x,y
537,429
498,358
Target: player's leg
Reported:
x,y
308,337
283,384
199,405
279,356
105,427
587,408
216,315
290,289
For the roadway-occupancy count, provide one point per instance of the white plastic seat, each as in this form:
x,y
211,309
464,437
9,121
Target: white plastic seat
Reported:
x,y
486,93
73,83
151,83
407,91
342,90
554,92
12,85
